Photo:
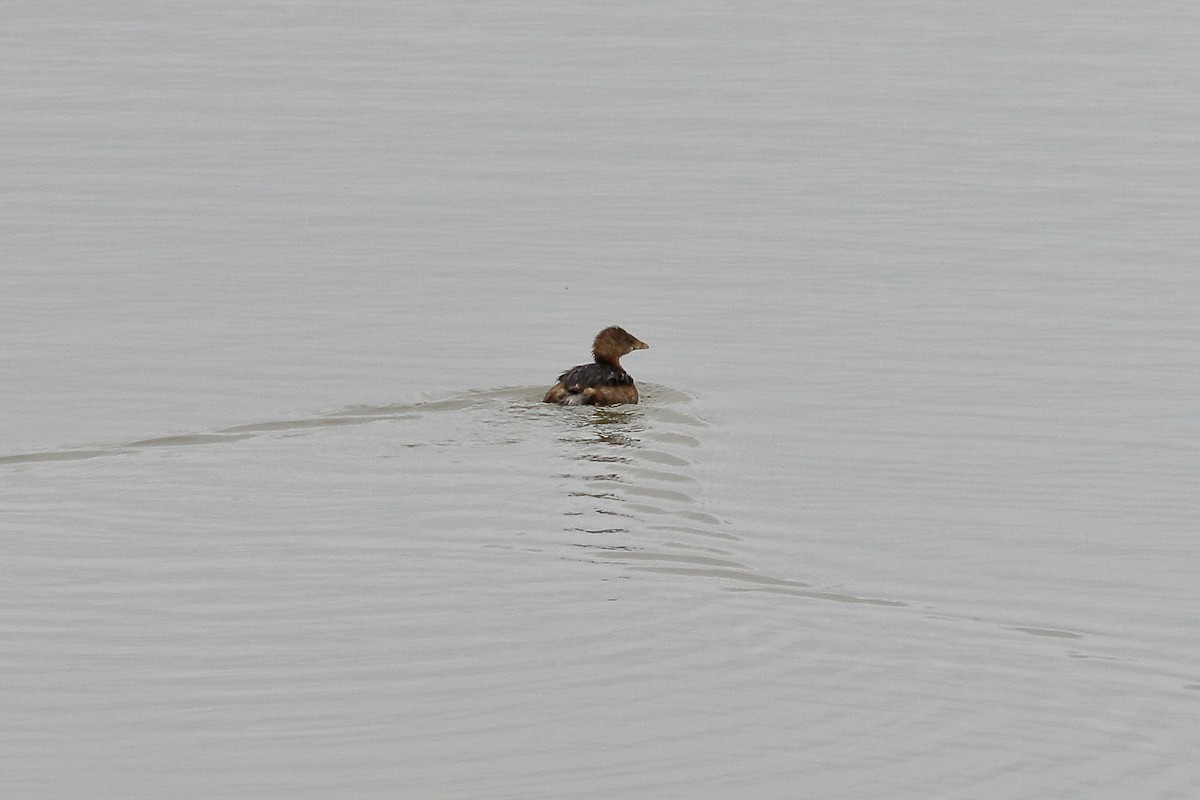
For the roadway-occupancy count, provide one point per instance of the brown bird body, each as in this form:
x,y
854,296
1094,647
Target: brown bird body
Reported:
x,y
603,382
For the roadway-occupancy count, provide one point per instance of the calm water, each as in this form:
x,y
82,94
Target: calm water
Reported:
x,y
909,509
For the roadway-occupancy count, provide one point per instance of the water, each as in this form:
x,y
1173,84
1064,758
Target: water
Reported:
x,y
908,509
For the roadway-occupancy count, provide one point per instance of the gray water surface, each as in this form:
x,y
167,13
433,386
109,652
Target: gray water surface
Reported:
x,y
909,507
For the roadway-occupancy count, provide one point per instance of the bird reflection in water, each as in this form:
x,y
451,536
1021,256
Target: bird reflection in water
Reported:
x,y
607,438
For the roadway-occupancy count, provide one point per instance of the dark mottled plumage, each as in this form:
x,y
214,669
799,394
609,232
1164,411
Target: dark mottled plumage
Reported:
x,y
595,375
604,382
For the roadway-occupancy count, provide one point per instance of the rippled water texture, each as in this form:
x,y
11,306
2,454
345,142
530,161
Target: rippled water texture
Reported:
x,y
909,507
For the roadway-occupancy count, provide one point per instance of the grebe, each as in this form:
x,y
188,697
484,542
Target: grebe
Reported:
x,y
603,382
